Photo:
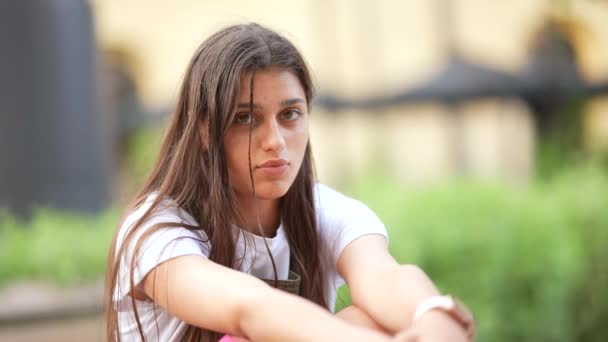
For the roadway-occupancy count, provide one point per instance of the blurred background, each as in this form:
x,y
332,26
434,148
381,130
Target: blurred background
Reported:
x,y
477,130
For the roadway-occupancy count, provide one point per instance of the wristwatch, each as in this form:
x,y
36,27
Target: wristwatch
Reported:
x,y
451,306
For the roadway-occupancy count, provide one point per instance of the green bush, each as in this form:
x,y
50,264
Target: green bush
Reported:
x,y
141,150
58,247
532,264
65,247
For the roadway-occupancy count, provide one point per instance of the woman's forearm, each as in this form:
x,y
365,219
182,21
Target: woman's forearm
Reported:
x,y
390,298
390,293
277,316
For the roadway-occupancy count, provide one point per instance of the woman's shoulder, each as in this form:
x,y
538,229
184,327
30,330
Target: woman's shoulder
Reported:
x,y
166,211
327,198
335,208
341,219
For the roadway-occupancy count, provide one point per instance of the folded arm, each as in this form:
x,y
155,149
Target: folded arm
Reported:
x,y
205,294
389,292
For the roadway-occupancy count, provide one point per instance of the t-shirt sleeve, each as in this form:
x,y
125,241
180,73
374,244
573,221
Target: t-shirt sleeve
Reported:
x,y
163,244
342,219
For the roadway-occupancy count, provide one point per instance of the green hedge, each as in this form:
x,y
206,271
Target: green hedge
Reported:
x,y
58,247
64,247
532,263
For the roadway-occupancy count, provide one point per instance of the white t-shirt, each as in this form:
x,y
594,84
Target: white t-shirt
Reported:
x,y
340,220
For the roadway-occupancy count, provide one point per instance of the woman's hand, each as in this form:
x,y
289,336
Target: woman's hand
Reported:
x,y
434,326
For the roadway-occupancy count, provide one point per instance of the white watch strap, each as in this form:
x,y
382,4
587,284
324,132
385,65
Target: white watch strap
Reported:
x,y
436,302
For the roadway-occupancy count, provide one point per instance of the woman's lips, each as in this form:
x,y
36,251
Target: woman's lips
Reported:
x,y
274,168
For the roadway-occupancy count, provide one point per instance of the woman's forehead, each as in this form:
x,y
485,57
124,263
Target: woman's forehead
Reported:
x,y
273,86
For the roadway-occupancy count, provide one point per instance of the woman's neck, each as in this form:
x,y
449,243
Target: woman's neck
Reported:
x,y
269,213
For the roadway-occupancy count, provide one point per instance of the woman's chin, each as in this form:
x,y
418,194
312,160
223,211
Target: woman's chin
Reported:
x,y
272,190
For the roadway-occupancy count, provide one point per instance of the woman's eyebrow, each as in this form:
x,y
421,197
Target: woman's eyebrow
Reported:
x,y
283,103
292,101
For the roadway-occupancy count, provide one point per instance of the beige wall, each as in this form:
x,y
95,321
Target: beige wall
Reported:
x,y
362,47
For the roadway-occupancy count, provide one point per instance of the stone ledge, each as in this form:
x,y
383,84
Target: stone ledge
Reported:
x,y
24,303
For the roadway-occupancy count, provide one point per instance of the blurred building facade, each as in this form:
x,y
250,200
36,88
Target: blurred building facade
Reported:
x,y
365,47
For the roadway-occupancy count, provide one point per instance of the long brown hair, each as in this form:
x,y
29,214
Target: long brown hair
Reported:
x,y
192,171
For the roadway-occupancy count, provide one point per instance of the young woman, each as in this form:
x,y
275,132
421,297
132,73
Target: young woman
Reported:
x,y
231,234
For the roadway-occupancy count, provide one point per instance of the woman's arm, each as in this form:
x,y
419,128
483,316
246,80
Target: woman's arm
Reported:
x,y
205,294
390,292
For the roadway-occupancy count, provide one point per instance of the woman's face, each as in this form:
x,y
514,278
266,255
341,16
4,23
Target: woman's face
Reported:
x,y
279,134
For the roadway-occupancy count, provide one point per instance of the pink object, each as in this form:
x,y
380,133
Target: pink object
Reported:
x,y
226,338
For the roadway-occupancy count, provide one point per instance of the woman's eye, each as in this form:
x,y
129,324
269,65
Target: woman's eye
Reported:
x,y
243,119
290,115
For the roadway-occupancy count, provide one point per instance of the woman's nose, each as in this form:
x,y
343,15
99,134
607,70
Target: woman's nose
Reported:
x,y
272,136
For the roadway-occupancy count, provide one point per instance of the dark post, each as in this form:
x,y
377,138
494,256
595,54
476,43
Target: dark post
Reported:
x,y
51,148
